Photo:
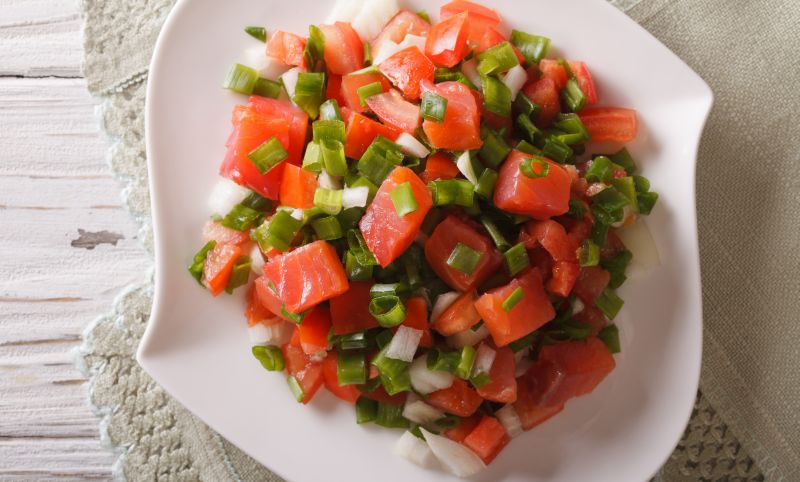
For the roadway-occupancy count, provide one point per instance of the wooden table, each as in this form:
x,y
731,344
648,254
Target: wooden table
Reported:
x,y
55,184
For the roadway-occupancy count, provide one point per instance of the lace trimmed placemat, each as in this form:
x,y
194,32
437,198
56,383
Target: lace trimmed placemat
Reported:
x,y
157,439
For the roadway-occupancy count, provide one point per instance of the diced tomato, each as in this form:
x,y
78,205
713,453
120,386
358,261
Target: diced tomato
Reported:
x,y
297,119
445,237
295,339
298,187
540,197
352,82
388,235
459,316
460,130
214,230
393,110
585,80
565,274
614,124
314,330
380,395
402,24
330,374
491,38
503,385
464,428
406,69
361,131
534,392
552,236
219,266
551,69
250,130
459,399
591,282
531,312
307,276
350,310
333,90
592,316
286,47
267,296
613,245
307,372
544,93
446,44
256,312
439,166
417,318
487,439
541,260
479,19
585,363
344,51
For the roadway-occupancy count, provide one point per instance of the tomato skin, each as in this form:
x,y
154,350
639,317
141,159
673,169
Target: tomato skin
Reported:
x,y
298,187
307,276
307,372
214,230
551,69
256,312
565,274
503,387
592,316
406,69
386,234
487,439
459,316
545,94
330,375
446,44
459,399
352,82
460,130
393,110
539,198
402,24
444,239
491,38
534,391
439,166
344,51
286,47
297,119
480,19
267,297
610,124
313,331
585,80
464,428
591,282
417,318
380,395
350,310
218,267
333,90
360,133
585,363
533,311
552,236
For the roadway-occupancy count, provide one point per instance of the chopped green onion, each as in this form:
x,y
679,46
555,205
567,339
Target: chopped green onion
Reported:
x,y
467,359
433,107
389,289
577,209
270,357
575,330
609,303
443,361
600,233
452,191
525,106
309,92
329,110
481,380
573,96
390,416
333,156
532,47
278,233
534,167
358,247
328,130
329,200
351,368
349,218
354,341
312,160
241,79
315,47
368,90
241,218
268,155
258,33
413,260
641,183
199,261
380,158
515,259
624,159
485,186
424,16
646,201
607,206
356,271
388,310
443,74
494,149
610,336
366,410
556,150
383,338
295,318
600,170
496,96
367,54
327,228
616,266
240,274
513,299
573,126
494,232
464,259
363,181
497,59
589,254
626,186
524,342
370,69
448,421
524,125
528,148
267,88
395,375
296,389
403,199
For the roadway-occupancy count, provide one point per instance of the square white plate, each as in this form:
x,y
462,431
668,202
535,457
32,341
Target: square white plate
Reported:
x,y
196,346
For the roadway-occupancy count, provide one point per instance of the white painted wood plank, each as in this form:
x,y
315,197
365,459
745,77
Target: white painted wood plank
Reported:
x,y
40,38
23,459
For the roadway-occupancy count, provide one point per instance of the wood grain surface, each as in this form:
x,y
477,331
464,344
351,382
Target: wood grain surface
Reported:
x,y
67,246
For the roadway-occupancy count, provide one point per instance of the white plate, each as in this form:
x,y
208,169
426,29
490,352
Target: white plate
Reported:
x,y
197,347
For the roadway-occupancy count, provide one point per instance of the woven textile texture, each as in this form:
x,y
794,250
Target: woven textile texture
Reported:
x,y
742,427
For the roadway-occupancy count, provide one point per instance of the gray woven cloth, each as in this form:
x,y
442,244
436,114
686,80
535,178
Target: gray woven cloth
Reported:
x,y
744,426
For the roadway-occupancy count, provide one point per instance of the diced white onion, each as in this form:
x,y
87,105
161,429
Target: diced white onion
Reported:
x,y
411,146
595,188
442,303
640,242
467,337
355,197
297,214
289,79
470,69
514,79
344,11
420,412
411,40
372,17
510,420
256,260
386,49
255,57
404,344
329,182
277,334
426,381
484,359
577,306
415,450
273,68
225,195
464,164
456,458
